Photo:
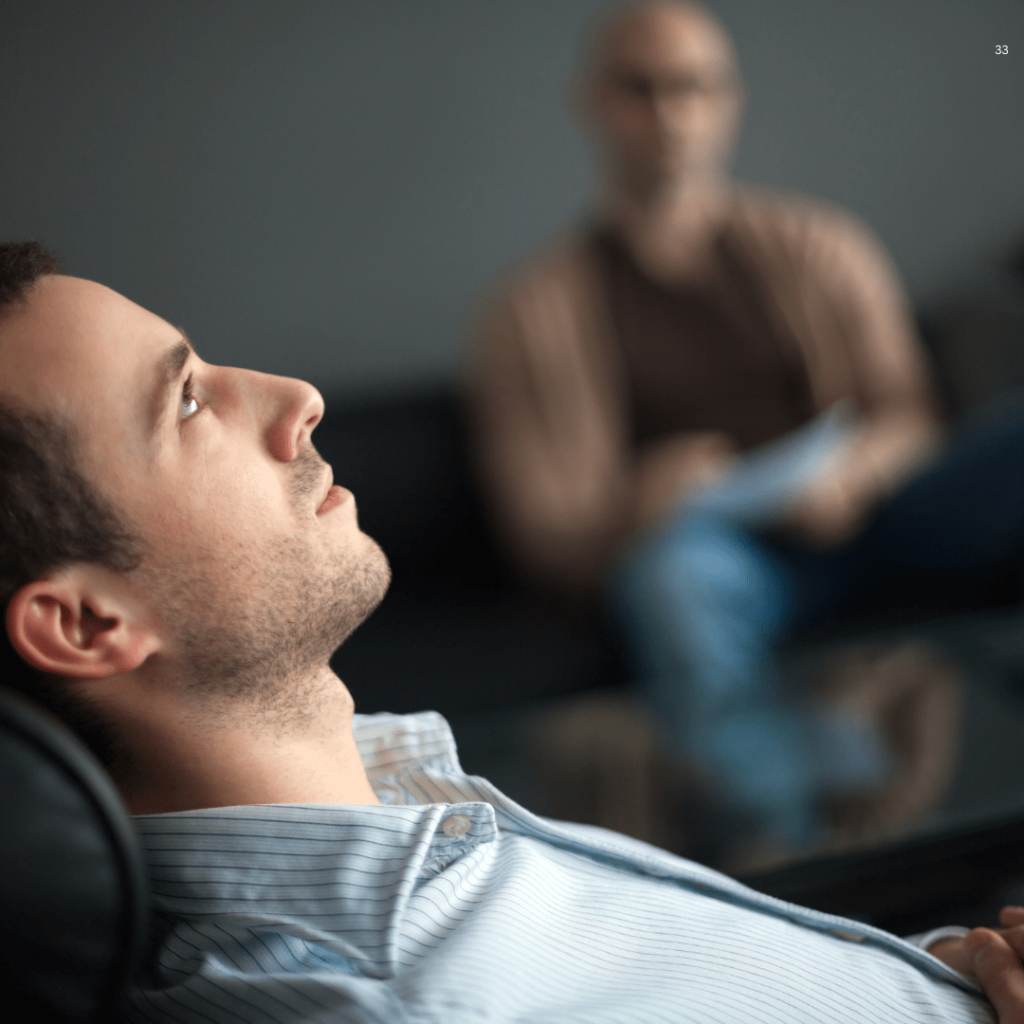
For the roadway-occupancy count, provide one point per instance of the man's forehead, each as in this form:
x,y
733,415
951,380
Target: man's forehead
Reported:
x,y
71,340
79,306
667,39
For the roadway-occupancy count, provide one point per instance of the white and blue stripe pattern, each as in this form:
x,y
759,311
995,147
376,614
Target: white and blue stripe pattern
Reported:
x,y
388,914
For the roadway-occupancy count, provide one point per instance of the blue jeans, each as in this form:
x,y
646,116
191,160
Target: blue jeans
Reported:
x,y
704,603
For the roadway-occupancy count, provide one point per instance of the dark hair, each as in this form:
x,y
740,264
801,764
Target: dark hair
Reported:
x,y
50,514
21,265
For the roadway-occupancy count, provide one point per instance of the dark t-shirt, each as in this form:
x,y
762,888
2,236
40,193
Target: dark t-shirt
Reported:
x,y
702,357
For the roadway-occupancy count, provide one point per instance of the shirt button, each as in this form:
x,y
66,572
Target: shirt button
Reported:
x,y
457,825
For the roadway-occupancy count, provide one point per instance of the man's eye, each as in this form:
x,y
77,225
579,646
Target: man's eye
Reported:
x,y
189,403
636,86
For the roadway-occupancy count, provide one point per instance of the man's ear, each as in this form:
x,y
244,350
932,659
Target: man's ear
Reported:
x,y
82,622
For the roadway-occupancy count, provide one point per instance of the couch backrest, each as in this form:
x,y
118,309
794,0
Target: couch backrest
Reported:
x,y
405,457
73,890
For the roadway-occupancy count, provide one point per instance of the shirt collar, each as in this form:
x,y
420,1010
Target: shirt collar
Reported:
x,y
391,744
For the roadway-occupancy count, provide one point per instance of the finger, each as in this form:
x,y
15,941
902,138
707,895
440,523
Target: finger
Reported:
x,y
1014,937
999,972
1010,916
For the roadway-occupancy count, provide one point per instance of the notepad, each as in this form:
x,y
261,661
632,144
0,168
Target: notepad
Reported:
x,y
760,487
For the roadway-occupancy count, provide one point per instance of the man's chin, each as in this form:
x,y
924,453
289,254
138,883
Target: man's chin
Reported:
x,y
366,586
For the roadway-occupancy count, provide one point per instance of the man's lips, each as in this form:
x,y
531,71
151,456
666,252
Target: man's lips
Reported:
x,y
333,499
334,494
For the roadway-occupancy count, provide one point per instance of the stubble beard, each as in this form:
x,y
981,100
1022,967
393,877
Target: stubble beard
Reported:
x,y
270,654
255,636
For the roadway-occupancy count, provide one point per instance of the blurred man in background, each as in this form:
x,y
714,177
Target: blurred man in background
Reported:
x,y
710,405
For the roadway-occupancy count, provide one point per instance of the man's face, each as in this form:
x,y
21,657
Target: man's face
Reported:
x,y
666,98
253,577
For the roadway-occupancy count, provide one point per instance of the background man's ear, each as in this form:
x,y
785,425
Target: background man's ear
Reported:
x,y
81,623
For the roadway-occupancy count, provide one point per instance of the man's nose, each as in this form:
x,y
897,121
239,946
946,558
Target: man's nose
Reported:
x,y
296,409
674,108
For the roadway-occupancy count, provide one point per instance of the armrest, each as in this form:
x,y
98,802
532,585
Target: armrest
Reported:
x,y
959,875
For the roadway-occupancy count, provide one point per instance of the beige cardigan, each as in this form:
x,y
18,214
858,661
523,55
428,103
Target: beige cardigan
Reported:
x,y
546,387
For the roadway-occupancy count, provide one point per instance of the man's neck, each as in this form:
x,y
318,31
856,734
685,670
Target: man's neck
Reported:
x,y
188,757
670,227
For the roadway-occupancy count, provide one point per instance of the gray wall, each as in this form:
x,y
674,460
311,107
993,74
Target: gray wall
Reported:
x,y
324,187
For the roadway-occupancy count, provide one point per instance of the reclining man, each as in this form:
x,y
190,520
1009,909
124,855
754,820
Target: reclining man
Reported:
x,y
177,568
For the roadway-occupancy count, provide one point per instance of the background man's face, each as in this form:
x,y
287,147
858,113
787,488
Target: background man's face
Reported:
x,y
666,97
252,583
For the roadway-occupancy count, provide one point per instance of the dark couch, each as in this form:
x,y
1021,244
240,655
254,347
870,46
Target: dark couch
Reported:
x,y
456,632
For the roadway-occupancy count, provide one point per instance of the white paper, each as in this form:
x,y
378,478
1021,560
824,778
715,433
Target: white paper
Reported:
x,y
762,484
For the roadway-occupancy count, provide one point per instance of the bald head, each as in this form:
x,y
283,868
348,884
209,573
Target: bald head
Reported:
x,y
662,90
652,29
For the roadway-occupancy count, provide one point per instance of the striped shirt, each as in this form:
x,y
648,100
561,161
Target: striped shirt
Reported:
x,y
451,903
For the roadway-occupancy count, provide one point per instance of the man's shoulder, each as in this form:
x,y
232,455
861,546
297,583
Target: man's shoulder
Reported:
x,y
556,265
779,218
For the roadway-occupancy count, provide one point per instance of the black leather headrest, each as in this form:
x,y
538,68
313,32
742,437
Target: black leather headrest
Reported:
x,y
72,886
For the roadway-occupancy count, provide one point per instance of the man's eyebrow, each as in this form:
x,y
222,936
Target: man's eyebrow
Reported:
x,y
167,376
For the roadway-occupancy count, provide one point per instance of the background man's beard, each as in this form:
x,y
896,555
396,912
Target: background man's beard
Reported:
x,y
267,646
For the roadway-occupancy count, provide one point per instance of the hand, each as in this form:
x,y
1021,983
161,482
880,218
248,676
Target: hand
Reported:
x,y
675,465
995,959
827,512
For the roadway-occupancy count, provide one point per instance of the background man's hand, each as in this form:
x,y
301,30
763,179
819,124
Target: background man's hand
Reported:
x,y
827,512
674,466
996,959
